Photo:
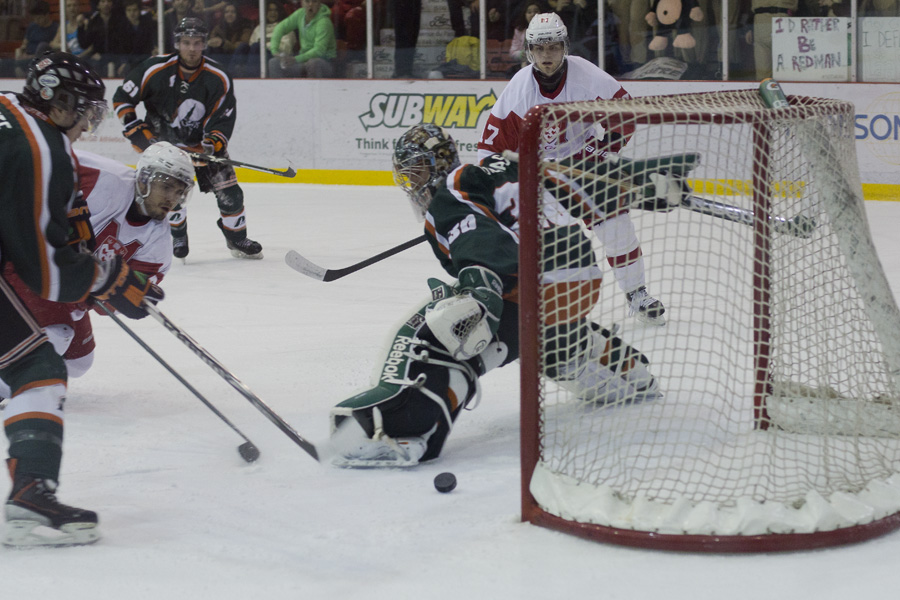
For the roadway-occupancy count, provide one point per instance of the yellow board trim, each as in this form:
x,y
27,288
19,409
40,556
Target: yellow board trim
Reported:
x,y
871,191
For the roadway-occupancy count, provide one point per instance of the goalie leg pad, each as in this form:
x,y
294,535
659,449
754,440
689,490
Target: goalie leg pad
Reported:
x,y
401,425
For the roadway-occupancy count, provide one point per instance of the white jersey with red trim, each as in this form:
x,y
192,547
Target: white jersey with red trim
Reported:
x,y
582,81
108,188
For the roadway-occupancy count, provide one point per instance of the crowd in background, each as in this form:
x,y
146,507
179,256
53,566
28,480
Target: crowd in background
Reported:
x,y
319,38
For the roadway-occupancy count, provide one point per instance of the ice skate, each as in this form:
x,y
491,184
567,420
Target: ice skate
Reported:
x,y
34,517
647,308
240,245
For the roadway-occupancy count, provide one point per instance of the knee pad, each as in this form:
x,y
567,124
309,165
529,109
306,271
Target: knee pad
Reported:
x,y
76,367
60,336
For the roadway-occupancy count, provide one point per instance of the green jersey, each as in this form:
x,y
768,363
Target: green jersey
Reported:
x,y
179,110
474,220
37,188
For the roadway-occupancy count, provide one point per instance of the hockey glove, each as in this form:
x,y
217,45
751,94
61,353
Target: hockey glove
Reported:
x,y
140,135
81,234
466,323
124,289
214,143
664,191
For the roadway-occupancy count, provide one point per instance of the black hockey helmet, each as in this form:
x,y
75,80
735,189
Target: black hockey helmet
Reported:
x,y
64,81
423,156
191,27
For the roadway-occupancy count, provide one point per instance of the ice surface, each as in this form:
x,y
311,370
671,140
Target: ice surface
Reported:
x,y
183,517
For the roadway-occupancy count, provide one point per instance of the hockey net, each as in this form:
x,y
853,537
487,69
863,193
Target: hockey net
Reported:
x,y
778,426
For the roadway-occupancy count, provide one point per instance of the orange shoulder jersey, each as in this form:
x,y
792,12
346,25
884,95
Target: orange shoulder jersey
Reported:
x,y
181,111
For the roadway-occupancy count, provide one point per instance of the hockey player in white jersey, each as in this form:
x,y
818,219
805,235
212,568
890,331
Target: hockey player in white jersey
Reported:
x,y
128,211
554,76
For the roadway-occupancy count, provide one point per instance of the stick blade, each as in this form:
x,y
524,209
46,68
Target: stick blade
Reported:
x,y
289,172
297,262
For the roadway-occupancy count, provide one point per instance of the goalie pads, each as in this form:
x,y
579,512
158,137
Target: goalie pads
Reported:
x,y
421,389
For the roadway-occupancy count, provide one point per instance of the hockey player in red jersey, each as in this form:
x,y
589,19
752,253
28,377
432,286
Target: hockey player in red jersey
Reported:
x,y
128,218
554,76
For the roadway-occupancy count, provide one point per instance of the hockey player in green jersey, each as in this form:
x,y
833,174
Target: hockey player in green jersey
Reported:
x,y
45,233
189,101
438,355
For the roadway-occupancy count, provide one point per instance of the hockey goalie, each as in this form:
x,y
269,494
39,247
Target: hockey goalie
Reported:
x,y
469,327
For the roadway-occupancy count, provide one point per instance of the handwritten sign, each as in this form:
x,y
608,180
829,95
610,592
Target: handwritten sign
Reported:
x,y
811,48
878,48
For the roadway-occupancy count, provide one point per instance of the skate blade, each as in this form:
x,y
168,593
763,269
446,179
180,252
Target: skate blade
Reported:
x,y
239,254
659,321
24,534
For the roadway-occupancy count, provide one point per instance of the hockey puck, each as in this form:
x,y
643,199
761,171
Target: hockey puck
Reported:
x,y
248,452
445,482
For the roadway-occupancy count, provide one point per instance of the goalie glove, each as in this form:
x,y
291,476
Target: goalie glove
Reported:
x,y
466,323
663,192
125,289
140,135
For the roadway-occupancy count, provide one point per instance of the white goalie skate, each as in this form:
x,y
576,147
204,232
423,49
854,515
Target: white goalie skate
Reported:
x,y
353,449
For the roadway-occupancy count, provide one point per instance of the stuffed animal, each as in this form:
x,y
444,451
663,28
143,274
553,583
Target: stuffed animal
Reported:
x,y
669,16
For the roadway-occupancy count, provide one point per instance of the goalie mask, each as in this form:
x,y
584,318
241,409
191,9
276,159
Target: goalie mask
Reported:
x,y
423,157
164,180
545,33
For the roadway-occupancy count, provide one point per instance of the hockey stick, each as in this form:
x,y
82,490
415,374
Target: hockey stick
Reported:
x,y
248,450
303,265
228,376
289,172
799,226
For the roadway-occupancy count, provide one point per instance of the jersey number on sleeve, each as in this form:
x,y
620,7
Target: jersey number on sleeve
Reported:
x,y
467,224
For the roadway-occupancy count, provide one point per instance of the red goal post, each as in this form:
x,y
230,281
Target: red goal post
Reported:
x,y
778,427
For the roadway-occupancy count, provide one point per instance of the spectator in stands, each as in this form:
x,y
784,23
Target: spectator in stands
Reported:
x,y
349,18
139,40
764,12
318,50
577,16
879,8
181,9
274,15
38,36
102,32
517,46
496,21
407,19
74,18
229,40
632,29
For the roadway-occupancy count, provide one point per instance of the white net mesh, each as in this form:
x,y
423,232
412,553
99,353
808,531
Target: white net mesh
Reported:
x,y
778,362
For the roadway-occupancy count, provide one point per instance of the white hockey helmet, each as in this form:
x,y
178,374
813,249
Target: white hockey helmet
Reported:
x,y
545,28
160,162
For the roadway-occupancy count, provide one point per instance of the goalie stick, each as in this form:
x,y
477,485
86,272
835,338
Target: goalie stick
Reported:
x,y
303,265
799,226
289,172
229,377
248,450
